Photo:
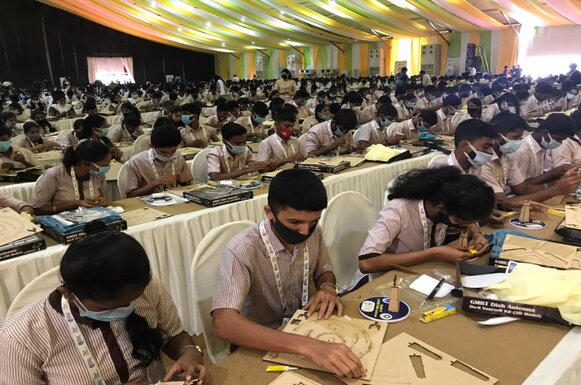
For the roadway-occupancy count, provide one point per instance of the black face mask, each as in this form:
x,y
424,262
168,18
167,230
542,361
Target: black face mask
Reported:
x,y
443,217
289,235
473,112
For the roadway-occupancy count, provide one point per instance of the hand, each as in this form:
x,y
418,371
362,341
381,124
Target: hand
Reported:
x,y
199,143
296,158
337,358
479,243
325,301
166,180
257,166
87,203
497,217
6,165
189,363
27,209
17,157
450,254
102,201
340,141
569,182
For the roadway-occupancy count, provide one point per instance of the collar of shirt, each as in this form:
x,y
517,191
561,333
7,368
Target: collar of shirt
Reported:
x,y
409,124
441,114
452,159
276,243
54,299
533,99
376,125
533,145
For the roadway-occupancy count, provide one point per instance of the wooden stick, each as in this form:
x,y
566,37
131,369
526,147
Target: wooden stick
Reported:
x,y
394,297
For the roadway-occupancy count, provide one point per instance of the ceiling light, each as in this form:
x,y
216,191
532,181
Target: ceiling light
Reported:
x,y
253,43
243,19
153,4
180,28
282,12
223,44
208,23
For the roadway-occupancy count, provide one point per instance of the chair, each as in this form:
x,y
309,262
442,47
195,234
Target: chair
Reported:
x,y
345,224
142,143
437,160
38,287
122,181
356,135
199,166
302,142
60,138
149,118
17,138
308,123
204,273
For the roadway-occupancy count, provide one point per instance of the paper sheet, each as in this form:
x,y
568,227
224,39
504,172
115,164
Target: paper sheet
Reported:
x,y
291,378
381,153
335,161
541,252
425,284
143,215
573,216
13,226
175,200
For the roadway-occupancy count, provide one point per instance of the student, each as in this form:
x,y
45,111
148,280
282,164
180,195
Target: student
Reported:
x,y
323,113
211,96
532,157
6,200
160,167
254,123
8,119
412,226
235,110
503,175
571,96
90,107
154,104
175,116
12,157
95,127
127,131
327,137
73,136
507,102
570,151
221,117
40,118
450,106
195,134
426,79
474,140
425,121
285,86
234,158
122,317
60,108
80,182
473,111
425,102
299,102
356,103
281,147
381,129
33,140
537,104
251,301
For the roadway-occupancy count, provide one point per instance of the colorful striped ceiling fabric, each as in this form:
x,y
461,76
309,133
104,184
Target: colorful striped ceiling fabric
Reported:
x,y
230,26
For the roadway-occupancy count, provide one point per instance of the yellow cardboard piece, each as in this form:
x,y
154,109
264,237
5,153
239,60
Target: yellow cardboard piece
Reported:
x,y
541,252
291,378
381,153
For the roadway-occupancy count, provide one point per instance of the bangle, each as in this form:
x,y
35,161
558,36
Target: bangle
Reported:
x,y
330,284
546,186
54,209
196,347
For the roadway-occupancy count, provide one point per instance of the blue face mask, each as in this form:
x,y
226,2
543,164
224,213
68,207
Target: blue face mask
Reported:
x,y
510,146
111,315
259,119
410,105
338,133
551,145
384,122
480,159
570,96
164,158
102,170
5,146
237,150
421,128
104,132
430,97
186,119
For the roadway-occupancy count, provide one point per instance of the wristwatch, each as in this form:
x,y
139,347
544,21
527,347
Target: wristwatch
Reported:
x,y
331,284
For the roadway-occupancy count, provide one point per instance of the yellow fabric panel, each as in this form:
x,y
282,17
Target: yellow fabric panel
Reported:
x,y
221,64
508,50
281,58
316,64
364,59
341,59
415,58
474,38
251,63
393,56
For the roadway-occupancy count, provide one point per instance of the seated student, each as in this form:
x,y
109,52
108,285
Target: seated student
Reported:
x,y
73,136
6,200
451,104
235,110
325,138
473,111
234,158
253,123
40,118
572,96
299,101
60,108
95,127
251,301
211,96
33,140
80,181
253,96
323,113
506,102
221,117
154,104
381,129
160,167
195,134
175,117
503,175
532,156
422,204
425,121
127,131
90,107
167,107
356,103
12,157
8,119
122,317
281,147
538,103
570,151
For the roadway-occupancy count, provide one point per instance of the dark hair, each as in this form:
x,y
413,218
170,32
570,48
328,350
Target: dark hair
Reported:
x,y
232,104
132,120
165,136
78,123
334,108
28,125
473,129
452,100
162,121
103,264
35,112
576,116
429,116
285,115
222,107
559,124
260,108
5,131
85,150
505,122
387,110
346,118
91,122
287,190
463,196
354,97
192,108
301,94
384,99
4,116
232,129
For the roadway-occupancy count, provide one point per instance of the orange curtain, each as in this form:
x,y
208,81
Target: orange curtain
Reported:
x,y
341,58
508,50
364,59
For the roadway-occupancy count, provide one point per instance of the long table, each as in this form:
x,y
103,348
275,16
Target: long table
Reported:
x,y
170,243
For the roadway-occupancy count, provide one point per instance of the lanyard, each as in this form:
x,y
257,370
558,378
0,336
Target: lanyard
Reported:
x,y
284,148
154,168
203,131
81,344
76,186
436,238
237,159
277,275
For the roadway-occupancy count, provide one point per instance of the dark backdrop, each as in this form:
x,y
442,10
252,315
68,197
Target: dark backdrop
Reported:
x,y
70,39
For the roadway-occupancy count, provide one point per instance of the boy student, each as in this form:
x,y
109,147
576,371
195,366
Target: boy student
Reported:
x,y
452,103
326,137
503,175
531,157
425,121
381,129
253,123
234,158
127,131
160,167
259,287
195,134
281,147
570,151
299,101
221,117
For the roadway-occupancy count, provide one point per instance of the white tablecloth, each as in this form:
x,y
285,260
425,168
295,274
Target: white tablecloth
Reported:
x,y
67,124
170,243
